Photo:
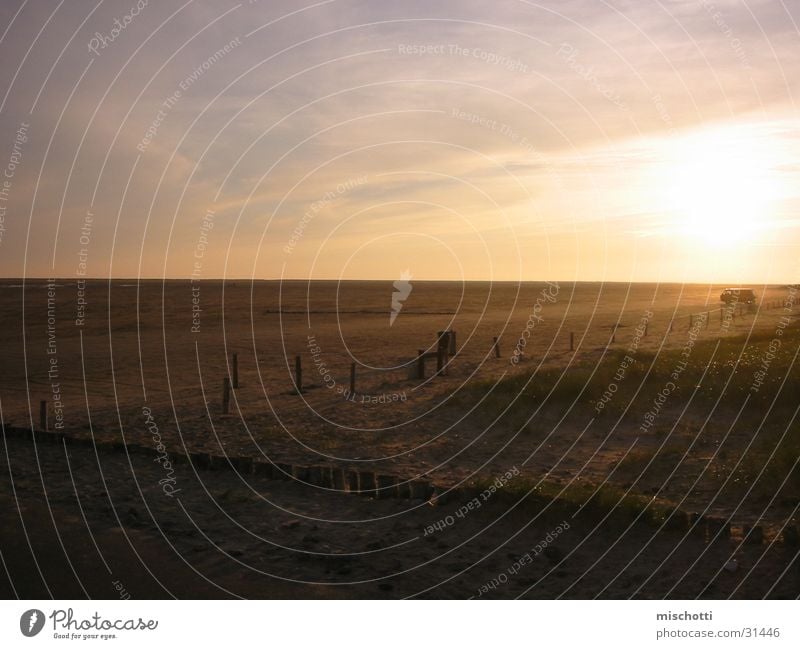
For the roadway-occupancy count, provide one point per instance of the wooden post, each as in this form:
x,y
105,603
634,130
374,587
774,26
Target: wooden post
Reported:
x,y
352,378
496,345
420,363
571,341
298,374
226,394
452,350
235,368
442,349
614,334
646,324
43,415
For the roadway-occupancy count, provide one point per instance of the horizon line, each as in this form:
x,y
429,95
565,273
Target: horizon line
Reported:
x,y
738,283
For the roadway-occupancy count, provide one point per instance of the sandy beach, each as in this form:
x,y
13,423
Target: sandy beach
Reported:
x,y
135,365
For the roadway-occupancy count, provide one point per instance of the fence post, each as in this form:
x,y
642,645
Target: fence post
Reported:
x,y
235,364
298,374
496,345
421,363
226,394
442,349
352,378
646,325
571,341
43,415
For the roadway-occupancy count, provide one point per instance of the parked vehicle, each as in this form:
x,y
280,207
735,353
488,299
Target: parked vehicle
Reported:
x,y
738,296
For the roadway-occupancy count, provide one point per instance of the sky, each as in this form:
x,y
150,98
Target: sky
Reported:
x,y
460,140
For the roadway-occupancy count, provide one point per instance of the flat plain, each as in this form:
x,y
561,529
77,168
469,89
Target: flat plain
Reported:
x,y
625,406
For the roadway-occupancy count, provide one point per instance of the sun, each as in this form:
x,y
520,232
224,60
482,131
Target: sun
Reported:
x,y
720,187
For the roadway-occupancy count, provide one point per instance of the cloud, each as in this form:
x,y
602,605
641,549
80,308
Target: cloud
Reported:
x,y
552,115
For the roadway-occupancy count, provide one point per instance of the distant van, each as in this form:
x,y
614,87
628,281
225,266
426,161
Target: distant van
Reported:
x,y
738,295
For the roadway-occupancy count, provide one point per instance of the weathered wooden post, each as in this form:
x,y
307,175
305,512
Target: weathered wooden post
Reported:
x,y
646,325
298,374
226,394
571,341
235,368
442,349
496,345
352,378
43,415
420,363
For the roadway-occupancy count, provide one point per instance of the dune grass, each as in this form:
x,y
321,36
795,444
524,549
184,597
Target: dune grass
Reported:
x,y
707,390
726,367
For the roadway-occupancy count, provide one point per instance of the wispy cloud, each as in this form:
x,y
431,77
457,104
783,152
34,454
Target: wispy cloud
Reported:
x,y
481,126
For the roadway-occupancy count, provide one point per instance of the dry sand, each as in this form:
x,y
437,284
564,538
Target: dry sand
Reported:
x,y
106,524
135,352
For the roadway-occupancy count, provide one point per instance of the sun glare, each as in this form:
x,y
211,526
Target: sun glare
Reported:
x,y
721,187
